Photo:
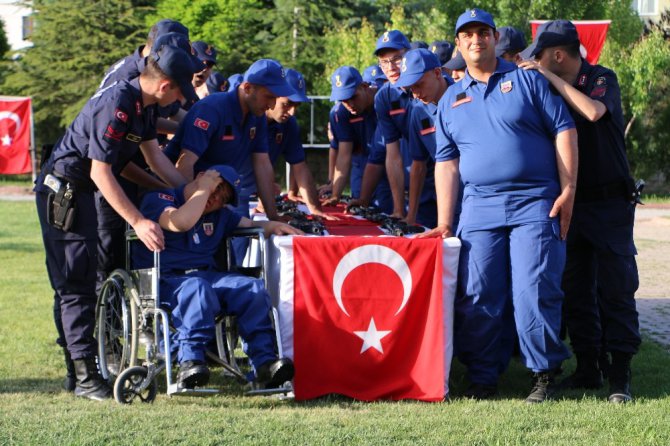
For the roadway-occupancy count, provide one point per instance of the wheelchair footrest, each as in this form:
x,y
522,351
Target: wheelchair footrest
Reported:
x,y
175,390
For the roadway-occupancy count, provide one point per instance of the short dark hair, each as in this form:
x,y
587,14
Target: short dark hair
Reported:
x,y
573,49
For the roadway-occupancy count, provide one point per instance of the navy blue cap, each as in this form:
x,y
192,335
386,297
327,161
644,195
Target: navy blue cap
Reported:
x,y
178,66
511,40
456,63
234,81
230,176
344,82
204,51
417,44
296,80
415,64
216,82
167,26
374,75
180,41
270,74
442,49
394,40
550,34
474,15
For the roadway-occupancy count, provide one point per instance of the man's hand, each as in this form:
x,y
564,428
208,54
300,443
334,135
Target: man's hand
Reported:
x,y
443,231
563,208
324,189
208,181
319,213
150,233
332,201
357,202
278,228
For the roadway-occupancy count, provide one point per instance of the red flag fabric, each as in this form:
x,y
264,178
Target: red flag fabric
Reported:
x,y
15,135
592,35
368,318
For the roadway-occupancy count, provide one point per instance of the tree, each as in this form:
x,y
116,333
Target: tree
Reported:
x,y
4,49
74,43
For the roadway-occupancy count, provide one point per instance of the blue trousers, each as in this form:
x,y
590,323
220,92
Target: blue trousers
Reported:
x,y
196,299
511,251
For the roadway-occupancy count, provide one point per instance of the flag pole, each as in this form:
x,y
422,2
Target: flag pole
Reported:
x,y
33,150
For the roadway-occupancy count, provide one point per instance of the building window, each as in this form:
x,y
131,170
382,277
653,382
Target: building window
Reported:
x,y
646,7
27,27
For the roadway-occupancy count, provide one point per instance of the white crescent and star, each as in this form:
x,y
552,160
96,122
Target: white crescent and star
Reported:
x,y
7,139
372,254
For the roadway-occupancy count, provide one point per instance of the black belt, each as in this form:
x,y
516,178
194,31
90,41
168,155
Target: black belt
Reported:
x,y
84,186
621,189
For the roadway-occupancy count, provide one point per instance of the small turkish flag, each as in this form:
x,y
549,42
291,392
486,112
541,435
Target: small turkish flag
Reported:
x,y
368,318
14,135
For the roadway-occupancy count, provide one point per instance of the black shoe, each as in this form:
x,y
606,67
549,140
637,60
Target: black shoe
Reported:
x,y
582,379
90,383
478,391
275,373
70,381
192,374
619,378
543,387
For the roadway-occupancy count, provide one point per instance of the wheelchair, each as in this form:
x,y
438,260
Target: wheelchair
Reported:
x,y
130,323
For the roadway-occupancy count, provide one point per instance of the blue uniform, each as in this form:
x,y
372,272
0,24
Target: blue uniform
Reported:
x,y
284,139
601,274
196,298
125,69
363,132
109,128
503,134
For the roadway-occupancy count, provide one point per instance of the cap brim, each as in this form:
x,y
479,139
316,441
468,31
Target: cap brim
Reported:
x,y
455,64
298,97
280,90
500,51
343,94
390,46
407,80
529,52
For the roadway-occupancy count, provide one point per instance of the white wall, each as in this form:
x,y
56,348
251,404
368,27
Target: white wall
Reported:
x,y
12,18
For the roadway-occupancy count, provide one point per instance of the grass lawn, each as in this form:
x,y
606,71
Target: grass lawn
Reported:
x,y
33,409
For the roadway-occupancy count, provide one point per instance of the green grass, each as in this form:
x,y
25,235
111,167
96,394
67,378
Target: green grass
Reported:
x,y
16,180
33,409
655,199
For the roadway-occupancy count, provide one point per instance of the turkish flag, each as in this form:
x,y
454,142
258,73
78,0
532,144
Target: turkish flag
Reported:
x,y
368,318
15,135
592,35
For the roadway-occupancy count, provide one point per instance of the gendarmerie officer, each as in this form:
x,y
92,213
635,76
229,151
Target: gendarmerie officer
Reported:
x,y
95,148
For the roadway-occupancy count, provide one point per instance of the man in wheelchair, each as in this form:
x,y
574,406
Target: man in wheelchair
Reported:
x,y
195,219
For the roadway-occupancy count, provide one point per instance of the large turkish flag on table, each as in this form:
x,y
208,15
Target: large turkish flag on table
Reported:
x,y
368,318
14,135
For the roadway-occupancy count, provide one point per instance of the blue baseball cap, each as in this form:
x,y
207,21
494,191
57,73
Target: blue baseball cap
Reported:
x,y
456,63
374,75
234,81
204,51
270,74
167,26
394,40
180,41
475,15
177,65
417,44
550,34
296,80
415,64
216,82
442,49
344,82
511,40
230,176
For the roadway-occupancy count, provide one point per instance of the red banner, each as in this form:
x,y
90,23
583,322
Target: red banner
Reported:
x,y
15,135
368,318
592,35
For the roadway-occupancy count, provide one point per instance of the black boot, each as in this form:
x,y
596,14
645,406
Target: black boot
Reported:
x,y
543,387
588,374
70,381
273,374
619,378
90,383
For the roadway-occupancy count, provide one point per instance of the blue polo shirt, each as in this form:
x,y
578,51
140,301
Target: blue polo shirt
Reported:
x,y
109,128
422,139
357,129
504,132
216,133
393,106
284,139
194,248
125,69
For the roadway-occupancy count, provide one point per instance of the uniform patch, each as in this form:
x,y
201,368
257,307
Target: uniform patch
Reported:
x,y
201,123
227,134
121,115
601,81
461,101
582,80
355,120
114,134
133,138
138,108
279,137
166,197
598,92
338,82
208,228
386,37
427,127
397,111
427,131
506,86
252,132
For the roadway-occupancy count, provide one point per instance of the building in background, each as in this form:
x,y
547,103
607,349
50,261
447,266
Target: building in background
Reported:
x,y
18,24
650,10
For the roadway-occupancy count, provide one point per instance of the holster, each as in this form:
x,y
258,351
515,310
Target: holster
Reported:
x,y
61,208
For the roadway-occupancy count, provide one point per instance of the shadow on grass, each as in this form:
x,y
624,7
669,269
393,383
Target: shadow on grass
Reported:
x,y
31,385
21,247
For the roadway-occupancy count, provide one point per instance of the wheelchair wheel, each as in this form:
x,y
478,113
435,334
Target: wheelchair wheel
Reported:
x,y
116,324
128,386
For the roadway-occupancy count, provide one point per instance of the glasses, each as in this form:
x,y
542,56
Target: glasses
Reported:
x,y
394,61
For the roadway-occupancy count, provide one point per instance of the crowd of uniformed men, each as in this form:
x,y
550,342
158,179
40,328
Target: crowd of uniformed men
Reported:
x,y
516,150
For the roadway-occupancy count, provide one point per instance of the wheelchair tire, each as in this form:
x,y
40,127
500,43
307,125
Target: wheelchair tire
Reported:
x,y
117,324
128,386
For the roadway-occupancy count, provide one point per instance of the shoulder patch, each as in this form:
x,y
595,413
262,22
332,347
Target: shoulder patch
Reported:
x,y
228,134
121,115
166,197
201,123
114,132
598,92
252,132
138,108
601,81
279,137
